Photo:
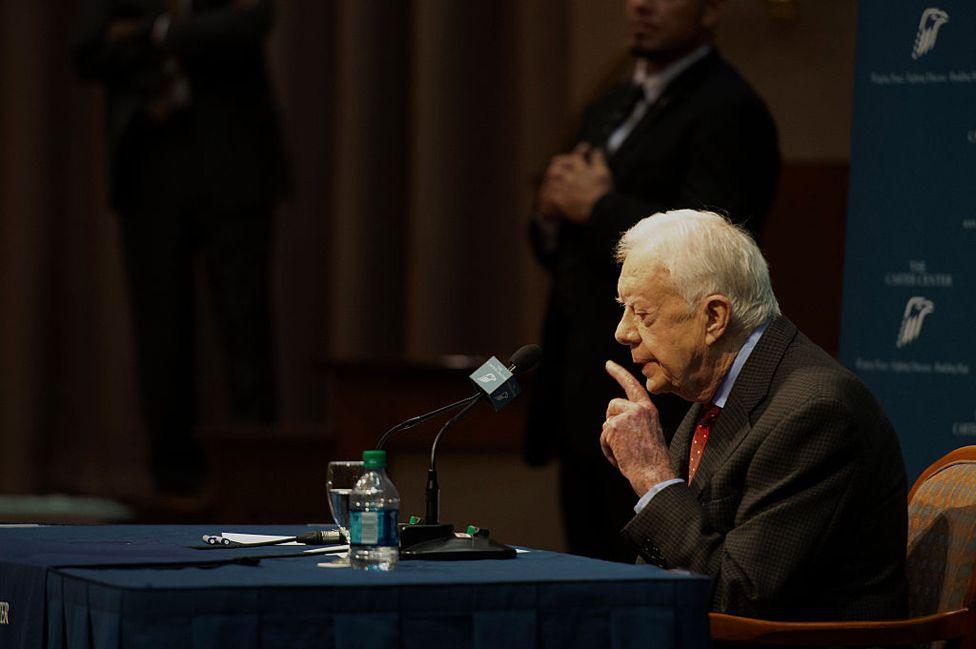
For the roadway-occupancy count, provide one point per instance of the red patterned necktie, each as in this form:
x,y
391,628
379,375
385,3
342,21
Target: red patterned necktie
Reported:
x,y
702,430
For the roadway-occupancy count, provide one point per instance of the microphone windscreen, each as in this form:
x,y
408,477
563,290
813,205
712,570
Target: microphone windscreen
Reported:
x,y
525,358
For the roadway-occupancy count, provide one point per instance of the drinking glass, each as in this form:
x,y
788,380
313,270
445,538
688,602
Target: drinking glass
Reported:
x,y
340,480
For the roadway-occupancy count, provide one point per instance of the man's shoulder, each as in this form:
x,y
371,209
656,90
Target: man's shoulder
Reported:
x,y
813,398
717,86
712,82
808,368
788,368
812,380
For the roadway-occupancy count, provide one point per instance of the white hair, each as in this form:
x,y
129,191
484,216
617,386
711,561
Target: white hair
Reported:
x,y
705,253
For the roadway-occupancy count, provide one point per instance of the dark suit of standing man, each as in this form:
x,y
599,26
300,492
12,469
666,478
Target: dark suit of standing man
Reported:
x,y
196,166
704,139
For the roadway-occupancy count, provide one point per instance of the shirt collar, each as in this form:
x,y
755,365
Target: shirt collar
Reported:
x,y
654,83
722,394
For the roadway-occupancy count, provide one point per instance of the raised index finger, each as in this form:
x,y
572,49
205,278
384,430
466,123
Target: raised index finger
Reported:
x,y
632,388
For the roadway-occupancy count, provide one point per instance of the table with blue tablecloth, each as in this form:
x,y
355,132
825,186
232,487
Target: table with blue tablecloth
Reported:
x,y
121,586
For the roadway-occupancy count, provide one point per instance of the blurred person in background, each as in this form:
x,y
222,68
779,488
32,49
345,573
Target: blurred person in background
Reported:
x,y
196,169
686,130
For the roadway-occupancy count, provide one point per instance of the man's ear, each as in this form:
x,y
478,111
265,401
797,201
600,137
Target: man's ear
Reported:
x,y
718,317
712,13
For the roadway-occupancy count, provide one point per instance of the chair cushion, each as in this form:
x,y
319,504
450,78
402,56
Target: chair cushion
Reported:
x,y
942,539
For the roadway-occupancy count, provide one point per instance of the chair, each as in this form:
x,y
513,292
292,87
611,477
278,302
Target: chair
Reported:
x,y
940,571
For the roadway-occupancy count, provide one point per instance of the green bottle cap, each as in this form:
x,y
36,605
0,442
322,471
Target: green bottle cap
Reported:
x,y
472,530
414,520
374,459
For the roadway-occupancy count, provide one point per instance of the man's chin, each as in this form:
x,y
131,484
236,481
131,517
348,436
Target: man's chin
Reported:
x,y
654,388
649,54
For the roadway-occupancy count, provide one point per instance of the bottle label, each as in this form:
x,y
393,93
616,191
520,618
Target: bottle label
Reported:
x,y
374,528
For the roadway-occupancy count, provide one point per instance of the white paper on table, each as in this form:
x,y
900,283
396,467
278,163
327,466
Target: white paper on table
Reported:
x,y
240,537
338,562
22,525
329,549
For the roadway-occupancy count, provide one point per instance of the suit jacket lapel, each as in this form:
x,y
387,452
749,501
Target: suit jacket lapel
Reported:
x,y
654,111
750,388
680,447
729,429
679,86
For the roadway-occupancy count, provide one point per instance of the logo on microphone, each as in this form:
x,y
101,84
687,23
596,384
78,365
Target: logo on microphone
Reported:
x,y
4,612
911,322
496,382
928,31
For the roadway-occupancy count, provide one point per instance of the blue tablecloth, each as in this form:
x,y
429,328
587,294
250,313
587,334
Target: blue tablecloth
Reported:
x,y
110,587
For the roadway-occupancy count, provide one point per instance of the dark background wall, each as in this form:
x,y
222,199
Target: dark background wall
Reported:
x,y
416,130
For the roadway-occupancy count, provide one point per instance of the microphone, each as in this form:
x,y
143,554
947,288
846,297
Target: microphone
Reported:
x,y
318,537
494,382
490,383
525,358
497,382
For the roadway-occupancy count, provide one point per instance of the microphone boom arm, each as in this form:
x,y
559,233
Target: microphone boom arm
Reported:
x,y
432,493
415,421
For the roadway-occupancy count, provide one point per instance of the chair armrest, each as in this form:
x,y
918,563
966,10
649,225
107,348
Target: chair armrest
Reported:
x,y
941,626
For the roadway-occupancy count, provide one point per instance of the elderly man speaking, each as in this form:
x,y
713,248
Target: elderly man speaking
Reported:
x,y
785,482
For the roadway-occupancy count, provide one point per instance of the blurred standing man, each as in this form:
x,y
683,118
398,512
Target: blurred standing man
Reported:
x,y
785,482
196,165
686,131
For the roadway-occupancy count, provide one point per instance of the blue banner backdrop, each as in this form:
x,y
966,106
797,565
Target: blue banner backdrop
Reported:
x,y
909,276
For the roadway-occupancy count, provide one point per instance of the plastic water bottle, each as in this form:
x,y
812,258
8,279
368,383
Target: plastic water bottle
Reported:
x,y
374,506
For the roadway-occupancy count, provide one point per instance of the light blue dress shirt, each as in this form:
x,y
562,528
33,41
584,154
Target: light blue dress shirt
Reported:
x,y
721,395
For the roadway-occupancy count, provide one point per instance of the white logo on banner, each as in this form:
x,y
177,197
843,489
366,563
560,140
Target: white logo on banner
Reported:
x,y
911,322
488,378
928,30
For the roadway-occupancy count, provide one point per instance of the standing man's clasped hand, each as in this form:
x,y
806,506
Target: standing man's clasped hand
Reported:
x,y
632,438
573,184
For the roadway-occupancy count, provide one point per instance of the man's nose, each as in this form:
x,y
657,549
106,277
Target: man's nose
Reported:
x,y
625,332
642,7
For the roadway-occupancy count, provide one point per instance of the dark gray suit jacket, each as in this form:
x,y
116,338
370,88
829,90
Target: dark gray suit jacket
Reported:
x,y
798,509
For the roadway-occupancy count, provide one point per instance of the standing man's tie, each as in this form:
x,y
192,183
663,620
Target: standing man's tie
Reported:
x,y
621,119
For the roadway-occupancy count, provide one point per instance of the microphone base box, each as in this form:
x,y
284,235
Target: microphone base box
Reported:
x,y
413,534
439,543
458,549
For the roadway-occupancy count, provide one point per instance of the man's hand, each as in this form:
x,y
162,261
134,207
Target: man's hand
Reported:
x,y
632,439
573,184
